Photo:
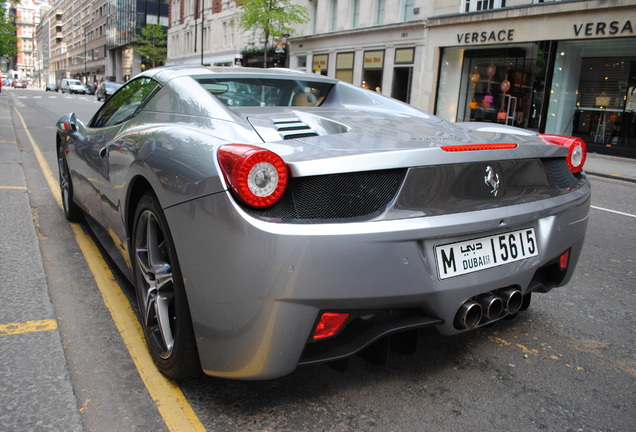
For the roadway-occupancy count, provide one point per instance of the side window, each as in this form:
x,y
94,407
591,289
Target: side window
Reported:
x,y
125,103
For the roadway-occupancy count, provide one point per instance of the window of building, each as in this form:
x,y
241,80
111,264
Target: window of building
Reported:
x,y
378,17
355,13
333,15
313,16
407,10
344,66
482,5
301,62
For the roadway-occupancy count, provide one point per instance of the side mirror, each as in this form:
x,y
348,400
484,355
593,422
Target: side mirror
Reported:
x,y
68,123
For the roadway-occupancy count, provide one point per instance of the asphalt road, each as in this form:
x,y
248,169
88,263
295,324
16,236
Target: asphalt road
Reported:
x,y
568,363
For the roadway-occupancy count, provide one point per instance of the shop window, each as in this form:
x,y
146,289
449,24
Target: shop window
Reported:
x,y
504,85
603,117
320,64
372,70
344,67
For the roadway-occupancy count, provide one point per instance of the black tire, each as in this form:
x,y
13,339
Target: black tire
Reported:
x,y
163,306
72,211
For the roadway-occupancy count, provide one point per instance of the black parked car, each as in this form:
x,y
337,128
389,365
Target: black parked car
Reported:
x,y
106,90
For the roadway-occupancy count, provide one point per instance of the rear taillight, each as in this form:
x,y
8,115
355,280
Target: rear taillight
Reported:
x,y
256,176
577,150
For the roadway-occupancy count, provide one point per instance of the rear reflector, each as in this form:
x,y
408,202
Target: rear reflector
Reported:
x,y
474,147
564,260
330,323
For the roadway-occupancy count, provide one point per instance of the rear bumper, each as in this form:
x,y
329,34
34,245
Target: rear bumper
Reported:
x,y
257,288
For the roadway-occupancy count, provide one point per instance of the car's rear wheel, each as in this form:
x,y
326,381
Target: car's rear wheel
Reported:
x,y
72,212
163,306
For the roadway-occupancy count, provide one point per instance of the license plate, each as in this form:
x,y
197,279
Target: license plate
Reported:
x,y
455,259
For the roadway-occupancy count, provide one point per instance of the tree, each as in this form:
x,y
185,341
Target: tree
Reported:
x,y
270,17
152,43
8,38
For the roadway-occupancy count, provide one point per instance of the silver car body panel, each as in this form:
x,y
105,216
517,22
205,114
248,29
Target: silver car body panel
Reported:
x,y
256,285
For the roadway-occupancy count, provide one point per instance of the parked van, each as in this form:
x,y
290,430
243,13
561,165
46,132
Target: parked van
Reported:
x,y
72,86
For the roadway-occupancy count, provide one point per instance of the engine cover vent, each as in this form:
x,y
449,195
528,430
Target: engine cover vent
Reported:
x,y
293,128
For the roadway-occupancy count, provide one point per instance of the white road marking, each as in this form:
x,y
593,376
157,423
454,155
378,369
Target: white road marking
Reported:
x,y
614,211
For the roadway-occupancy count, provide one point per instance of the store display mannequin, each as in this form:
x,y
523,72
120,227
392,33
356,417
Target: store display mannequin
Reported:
x,y
629,116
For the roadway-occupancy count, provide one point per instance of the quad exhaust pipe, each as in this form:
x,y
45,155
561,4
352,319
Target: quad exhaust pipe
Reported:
x,y
488,307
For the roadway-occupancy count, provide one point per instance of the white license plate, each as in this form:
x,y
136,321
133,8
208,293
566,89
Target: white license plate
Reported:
x,y
455,259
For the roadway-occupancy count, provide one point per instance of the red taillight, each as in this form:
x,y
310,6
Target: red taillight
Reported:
x,y
576,148
330,323
474,147
257,176
564,260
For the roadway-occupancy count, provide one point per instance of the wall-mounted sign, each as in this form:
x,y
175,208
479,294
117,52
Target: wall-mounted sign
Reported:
x,y
486,36
373,59
601,28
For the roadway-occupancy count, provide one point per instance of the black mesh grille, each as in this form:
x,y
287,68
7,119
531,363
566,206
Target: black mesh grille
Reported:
x,y
329,198
559,173
299,135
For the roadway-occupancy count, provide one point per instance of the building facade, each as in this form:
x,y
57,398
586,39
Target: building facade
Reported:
x,y
28,14
92,40
554,66
561,67
204,32
376,44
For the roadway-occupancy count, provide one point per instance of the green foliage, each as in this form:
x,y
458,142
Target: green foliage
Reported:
x,y
272,18
8,39
152,44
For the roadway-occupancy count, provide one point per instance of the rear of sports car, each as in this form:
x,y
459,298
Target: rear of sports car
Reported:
x,y
316,252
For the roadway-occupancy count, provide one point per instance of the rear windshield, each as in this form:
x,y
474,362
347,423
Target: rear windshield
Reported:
x,y
74,82
246,92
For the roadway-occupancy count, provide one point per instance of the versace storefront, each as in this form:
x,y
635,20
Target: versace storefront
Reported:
x,y
554,68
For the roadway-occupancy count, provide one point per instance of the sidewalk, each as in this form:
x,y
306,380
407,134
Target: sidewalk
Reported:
x,y
611,166
36,389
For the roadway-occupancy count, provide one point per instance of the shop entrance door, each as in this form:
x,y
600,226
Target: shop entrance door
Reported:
x,y
401,89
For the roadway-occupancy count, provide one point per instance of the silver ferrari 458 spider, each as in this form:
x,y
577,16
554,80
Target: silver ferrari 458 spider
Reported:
x,y
271,218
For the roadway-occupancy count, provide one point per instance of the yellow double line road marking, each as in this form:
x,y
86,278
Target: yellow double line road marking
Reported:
x,y
28,327
177,413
